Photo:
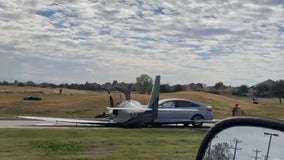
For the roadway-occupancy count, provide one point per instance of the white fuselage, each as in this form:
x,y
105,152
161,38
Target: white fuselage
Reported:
x,y
126,111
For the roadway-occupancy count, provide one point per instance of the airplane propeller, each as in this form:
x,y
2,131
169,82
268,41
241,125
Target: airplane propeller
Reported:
x,y
110,100
125,90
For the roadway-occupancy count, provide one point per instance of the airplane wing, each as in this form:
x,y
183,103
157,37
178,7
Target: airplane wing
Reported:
x,y
69,120
134,109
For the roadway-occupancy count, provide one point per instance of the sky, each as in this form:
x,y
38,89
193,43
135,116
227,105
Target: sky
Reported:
x,y
188,41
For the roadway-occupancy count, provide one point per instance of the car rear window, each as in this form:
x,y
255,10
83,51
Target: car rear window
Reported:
x,y
185,104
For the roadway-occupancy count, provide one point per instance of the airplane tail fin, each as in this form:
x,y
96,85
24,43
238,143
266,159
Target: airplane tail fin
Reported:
x,y
154,98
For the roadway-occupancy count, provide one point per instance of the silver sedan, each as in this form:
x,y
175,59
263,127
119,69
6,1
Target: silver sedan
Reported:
x,y
184,111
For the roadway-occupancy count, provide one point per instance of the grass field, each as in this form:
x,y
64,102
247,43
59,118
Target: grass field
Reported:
x,y
87,104
107,144
99,144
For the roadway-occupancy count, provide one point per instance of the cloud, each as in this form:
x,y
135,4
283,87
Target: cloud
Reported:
x,y
185,41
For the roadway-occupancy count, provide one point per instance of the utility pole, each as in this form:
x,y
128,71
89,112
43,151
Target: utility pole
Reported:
x,y
269,143
236,147
264,157
256,154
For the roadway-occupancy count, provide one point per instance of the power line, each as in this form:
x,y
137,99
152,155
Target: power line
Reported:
x,y
243,143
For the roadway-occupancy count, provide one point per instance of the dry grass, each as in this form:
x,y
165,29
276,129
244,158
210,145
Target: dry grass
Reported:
x,y
86,104
68,104
222,105
14,89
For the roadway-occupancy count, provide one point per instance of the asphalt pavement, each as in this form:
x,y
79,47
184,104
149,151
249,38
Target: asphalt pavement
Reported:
x,y
45,124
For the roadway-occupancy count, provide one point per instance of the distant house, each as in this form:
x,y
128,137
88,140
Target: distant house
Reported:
x,y
268,82
262,89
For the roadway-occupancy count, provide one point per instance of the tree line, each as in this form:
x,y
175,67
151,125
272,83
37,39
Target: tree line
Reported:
x,y
85,86
274,89
144,84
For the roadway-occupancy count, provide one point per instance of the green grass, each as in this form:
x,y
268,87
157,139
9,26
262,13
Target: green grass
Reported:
x,y
100,144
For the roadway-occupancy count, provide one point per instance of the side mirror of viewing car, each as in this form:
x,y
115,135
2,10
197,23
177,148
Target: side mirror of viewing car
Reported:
x,y
243,138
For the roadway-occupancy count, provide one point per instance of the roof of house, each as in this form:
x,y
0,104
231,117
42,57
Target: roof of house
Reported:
x,y
268,82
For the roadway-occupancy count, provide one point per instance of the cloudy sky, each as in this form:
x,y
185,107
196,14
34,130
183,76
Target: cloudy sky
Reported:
x,y
207,41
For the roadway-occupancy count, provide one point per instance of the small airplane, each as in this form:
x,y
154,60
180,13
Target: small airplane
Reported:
x,y
127,113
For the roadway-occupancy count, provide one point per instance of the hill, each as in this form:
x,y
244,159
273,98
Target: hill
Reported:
x,y
87,104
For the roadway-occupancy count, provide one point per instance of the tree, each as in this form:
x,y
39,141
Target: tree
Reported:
x,y
196,87
192,86
244,89
165,88
178,88
5,83
220,151
143,84
15,83
21,84
30,83
278,89
43,84
262,89
219,85
199,86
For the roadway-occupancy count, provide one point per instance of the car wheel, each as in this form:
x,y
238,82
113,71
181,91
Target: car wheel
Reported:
x,y
196,118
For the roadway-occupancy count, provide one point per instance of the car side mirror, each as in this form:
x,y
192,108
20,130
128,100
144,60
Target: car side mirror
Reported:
x,y
242,138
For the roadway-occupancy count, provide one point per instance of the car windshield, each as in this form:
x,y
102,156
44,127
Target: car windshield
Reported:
x,y
170,104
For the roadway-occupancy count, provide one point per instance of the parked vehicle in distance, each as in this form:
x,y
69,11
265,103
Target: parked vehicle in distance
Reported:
x,y
184,111
32,98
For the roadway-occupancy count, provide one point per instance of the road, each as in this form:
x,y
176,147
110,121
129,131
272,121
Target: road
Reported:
x,y
36,124
45,124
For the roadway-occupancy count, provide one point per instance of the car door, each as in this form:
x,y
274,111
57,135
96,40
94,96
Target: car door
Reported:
x,y
165,112
185,110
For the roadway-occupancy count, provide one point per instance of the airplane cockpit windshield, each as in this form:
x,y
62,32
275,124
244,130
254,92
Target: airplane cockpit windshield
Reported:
x,y
130,104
